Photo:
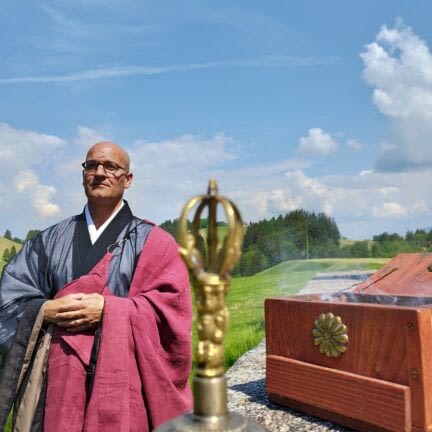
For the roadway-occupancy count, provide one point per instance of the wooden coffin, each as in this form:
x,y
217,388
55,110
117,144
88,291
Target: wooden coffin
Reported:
x,y
383,380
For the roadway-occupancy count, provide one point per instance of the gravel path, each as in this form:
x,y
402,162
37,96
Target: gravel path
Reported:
x,y
246,378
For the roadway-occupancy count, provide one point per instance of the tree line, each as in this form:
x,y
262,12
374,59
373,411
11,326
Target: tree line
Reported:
x,y
299,234
387,245
296,235
8,235
302,235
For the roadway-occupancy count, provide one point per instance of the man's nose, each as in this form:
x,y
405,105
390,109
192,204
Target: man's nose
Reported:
x,y
100,170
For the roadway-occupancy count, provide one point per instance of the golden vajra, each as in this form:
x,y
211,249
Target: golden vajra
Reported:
x,y
211,264
330,335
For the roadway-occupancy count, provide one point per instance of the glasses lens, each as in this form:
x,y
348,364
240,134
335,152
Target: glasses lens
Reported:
x,y
90,165
111,167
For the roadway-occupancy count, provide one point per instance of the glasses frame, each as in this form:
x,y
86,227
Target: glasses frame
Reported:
x,y
107,171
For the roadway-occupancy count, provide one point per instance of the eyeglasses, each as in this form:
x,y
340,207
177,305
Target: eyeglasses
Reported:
x,y
108,166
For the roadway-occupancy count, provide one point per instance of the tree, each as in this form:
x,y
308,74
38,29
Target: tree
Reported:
x,y
171,226
299,234
12,253
7,235
31,234
253,261
5,256
361,249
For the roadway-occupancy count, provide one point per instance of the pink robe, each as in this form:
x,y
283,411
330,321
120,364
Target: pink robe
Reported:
x,y
144,361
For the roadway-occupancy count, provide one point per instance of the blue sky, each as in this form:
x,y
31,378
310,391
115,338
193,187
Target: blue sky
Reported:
x,y
319,105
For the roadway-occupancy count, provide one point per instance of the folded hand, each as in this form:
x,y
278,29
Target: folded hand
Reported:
x,y
75,312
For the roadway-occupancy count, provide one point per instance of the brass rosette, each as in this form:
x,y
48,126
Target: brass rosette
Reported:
x,y
330,335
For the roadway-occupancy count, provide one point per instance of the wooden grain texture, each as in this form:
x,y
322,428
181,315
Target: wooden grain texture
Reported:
x,y
387,343
406,274
365,403
419,364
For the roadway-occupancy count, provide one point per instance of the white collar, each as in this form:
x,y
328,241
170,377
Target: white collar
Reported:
x,y
95,233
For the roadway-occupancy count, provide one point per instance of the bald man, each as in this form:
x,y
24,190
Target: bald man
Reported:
x,y
95,316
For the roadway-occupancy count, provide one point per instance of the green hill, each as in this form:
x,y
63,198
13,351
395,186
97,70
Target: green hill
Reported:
x,y
7,244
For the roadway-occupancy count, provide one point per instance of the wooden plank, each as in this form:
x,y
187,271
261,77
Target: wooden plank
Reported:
x,y
338,395
419,349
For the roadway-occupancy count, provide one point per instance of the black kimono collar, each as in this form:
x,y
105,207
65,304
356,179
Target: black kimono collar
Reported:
x,y
85,255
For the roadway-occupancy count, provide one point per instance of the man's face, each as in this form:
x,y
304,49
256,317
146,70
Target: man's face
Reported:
x,y
102,185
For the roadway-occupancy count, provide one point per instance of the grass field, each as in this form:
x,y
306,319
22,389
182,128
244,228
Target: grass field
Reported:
x,y
5,243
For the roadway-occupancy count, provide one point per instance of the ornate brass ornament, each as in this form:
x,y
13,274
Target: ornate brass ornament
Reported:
x,y
210,264
211,278
330,335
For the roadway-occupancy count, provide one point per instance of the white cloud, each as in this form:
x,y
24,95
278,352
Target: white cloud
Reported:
x,y
420,207
27,200
86,137
26,180
398,65
170,171
139,70
281,201
355,145
389,210
308,185
187,151
317,142
365,203
27,183
21,147
388,190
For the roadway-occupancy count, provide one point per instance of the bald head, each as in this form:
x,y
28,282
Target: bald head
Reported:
x,y
112,151
103,186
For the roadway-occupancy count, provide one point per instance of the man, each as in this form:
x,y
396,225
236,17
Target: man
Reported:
x,y
98,309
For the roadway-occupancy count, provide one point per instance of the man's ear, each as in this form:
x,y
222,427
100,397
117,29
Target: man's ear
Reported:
x,y
128,180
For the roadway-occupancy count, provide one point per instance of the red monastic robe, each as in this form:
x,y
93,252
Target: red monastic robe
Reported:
x,y
142,371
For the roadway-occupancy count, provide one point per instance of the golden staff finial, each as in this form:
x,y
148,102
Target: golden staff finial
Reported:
x,y
210,266
211,276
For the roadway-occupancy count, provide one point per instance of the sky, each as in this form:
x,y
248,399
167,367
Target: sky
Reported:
x,y
319,105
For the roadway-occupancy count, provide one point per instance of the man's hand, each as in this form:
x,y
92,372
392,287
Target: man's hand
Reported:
x,y
75,312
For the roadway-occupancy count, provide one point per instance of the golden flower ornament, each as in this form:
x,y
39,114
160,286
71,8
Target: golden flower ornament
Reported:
x,y
330,335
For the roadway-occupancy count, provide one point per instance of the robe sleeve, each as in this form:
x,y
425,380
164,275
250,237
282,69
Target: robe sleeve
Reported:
x,y
163,294
23,280
157,319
